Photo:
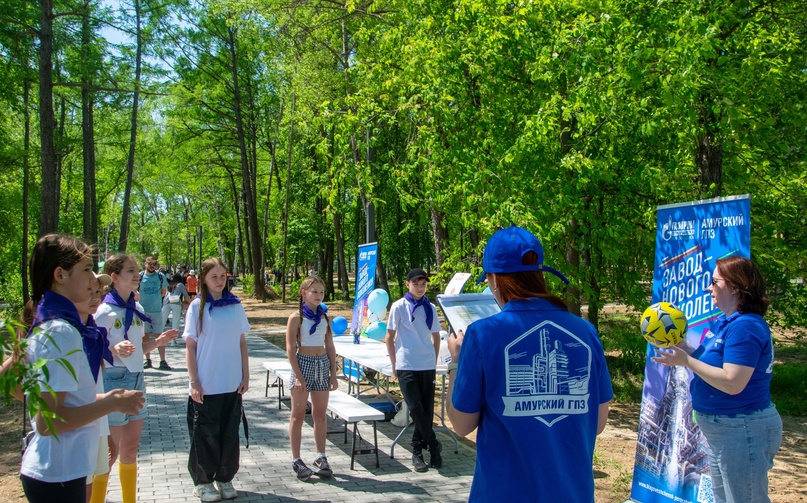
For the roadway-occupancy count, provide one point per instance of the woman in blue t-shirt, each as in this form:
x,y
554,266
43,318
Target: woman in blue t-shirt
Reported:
x,y
532,379
731,386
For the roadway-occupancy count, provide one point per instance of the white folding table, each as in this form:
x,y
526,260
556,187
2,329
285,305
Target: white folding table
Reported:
x,y
373,354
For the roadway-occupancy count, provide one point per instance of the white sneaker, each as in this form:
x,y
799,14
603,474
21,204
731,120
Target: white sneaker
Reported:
x,y
227,490
207,493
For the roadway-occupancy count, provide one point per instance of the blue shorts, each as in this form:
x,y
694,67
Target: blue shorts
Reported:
x,y
120,377
157,325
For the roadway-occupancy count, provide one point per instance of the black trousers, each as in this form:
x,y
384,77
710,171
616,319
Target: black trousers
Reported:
x,y
36,491
417,387
215,446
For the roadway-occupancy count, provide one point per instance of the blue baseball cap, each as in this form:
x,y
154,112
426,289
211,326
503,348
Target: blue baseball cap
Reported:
x,y
505,251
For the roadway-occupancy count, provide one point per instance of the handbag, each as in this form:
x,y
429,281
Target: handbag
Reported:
x,y
174,299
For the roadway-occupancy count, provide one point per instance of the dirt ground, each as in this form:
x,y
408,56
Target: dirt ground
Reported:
x,y
613,458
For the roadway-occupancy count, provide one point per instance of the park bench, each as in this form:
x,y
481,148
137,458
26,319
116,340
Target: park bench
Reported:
x,y
341,405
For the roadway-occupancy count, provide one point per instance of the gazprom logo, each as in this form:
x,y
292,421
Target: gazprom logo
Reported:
x,y
678,229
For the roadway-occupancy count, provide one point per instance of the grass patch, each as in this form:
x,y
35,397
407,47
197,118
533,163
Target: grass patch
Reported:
x,y
625,351
789,388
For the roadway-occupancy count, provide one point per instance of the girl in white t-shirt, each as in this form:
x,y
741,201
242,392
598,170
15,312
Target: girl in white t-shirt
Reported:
x,y
218,369
312,355
125,322
55,469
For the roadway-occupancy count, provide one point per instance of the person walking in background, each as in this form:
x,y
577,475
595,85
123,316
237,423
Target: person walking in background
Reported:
x,y
731,387
218,370
533,379
413,343
125,323
191,284
153,285
175,296
312,355
56,469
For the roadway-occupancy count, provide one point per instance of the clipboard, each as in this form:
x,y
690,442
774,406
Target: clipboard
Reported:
x,y
463,309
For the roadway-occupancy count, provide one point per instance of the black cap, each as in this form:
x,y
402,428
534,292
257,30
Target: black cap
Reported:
x,y
417,273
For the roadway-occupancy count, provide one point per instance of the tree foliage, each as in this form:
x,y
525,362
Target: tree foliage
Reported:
x,y
433,122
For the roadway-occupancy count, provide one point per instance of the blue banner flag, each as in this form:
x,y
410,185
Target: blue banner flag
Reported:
x,y
365,283
671,453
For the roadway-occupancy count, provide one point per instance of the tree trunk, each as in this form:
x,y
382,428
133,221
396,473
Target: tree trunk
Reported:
x,y
238,248
49,215
709,153
286,205
573,226
90,214
440,235
26,86
251,209
266,260
124,226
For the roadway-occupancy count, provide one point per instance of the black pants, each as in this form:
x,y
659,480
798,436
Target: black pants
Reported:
x,y
215,446
417,387
72,491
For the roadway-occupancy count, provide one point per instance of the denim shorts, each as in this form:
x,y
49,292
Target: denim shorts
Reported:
x,y
741,451
121,377
316,371
157,325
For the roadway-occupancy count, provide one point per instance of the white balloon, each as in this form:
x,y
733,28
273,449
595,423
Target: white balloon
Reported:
x,y
379,316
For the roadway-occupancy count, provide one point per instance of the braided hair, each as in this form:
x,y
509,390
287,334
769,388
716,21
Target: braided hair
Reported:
x,y
305,285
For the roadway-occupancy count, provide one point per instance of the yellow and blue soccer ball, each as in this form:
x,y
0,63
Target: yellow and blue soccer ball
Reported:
x,y
664,325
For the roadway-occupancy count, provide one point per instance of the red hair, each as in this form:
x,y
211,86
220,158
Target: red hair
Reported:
x,y
525,285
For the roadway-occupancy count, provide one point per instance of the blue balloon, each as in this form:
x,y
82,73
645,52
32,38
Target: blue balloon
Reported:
x,y
377,300
323,306
376,330
339,325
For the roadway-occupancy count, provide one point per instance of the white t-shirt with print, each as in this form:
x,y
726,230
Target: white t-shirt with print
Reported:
x,y
74,454
113,318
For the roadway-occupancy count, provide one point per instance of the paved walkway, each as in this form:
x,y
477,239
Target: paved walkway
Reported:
x,y
265,473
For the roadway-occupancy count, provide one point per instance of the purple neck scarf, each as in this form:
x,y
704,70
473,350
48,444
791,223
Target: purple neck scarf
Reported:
x,y
96,345
311,315
226,299
114,298
427,308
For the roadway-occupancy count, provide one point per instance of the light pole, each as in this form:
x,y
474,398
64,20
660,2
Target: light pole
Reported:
x,y
199,232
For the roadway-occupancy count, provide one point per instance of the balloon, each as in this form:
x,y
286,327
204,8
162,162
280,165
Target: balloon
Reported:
x,y
377,300
376,330
339,325
379,316
323,306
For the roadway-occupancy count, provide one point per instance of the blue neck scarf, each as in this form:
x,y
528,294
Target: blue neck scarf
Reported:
x,y
96,345
311,315
226,299
427,308
114,298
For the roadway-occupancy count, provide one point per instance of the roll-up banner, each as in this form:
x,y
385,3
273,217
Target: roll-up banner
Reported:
x,y
671,454
365,283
